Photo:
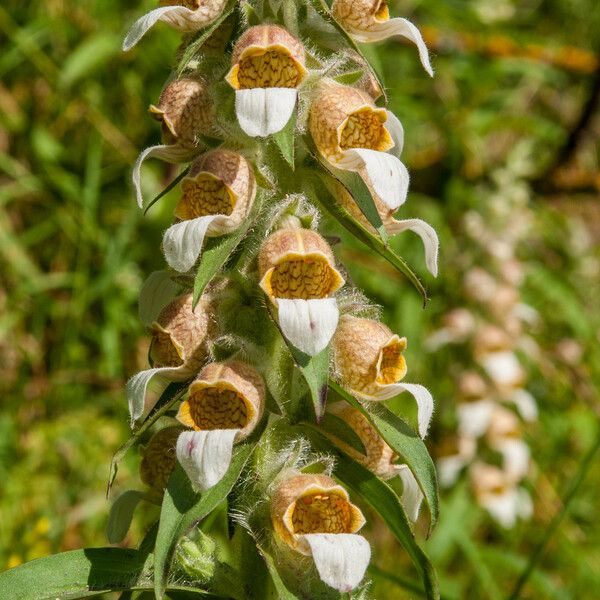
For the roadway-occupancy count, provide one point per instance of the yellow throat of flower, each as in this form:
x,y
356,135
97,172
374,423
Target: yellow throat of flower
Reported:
x,y
302,276
217,405
364,128
165,351
159,458
266,67
391,364
321,512
205,195
383,12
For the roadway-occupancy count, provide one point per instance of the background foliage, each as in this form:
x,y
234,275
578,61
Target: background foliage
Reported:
x,y
74,251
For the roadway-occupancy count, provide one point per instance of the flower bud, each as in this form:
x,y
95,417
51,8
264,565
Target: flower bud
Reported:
x,y
183,15
185,111
218,194
369,21
227,395
267,68
313,515
298,274
159,458
180,333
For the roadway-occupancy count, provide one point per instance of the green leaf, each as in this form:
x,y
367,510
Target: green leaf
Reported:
x,y
182,508
286,140
171,394
338,428
167,189
315,370
406,443
121,514
282,591
217,251
328,203
82,574
386,503
250,13
91,54
196,44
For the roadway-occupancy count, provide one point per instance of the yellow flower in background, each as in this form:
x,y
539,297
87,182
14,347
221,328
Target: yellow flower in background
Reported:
x,y
268,66
313,515
298,274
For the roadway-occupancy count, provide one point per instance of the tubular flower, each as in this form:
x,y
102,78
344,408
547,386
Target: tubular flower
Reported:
x,y
369,21
224,405
493,349
453,455
313,515
379,457
475,408
497,492
183,15
177,351
370,365
267,69
185,111
218,194
298,274
353,134
504,436
159,459
394,226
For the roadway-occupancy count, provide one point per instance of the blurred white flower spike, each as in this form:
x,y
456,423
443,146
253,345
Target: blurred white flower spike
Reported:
x,y
268,66
186,16
369,21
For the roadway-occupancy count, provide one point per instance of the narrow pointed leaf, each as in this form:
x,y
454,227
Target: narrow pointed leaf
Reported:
x,y
407,444
182,508
338,428
286,141
282,591
171,185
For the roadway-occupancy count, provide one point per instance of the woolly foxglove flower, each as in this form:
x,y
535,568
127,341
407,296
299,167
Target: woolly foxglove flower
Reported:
x,y
298,274
217,196
267,69
184,15
185,111
453,455
353,134
504,436
497,492
369,21
493,349
474,411
177,351
313,515
379,457
224,405
369,361
394,226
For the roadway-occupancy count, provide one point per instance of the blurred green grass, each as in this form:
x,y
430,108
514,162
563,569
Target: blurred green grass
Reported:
x,y
74,251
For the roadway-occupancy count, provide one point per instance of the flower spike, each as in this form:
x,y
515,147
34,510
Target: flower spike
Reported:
x,y
369,21
178,350
313,515
218,194
369,360
184,15
298,274
268,66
